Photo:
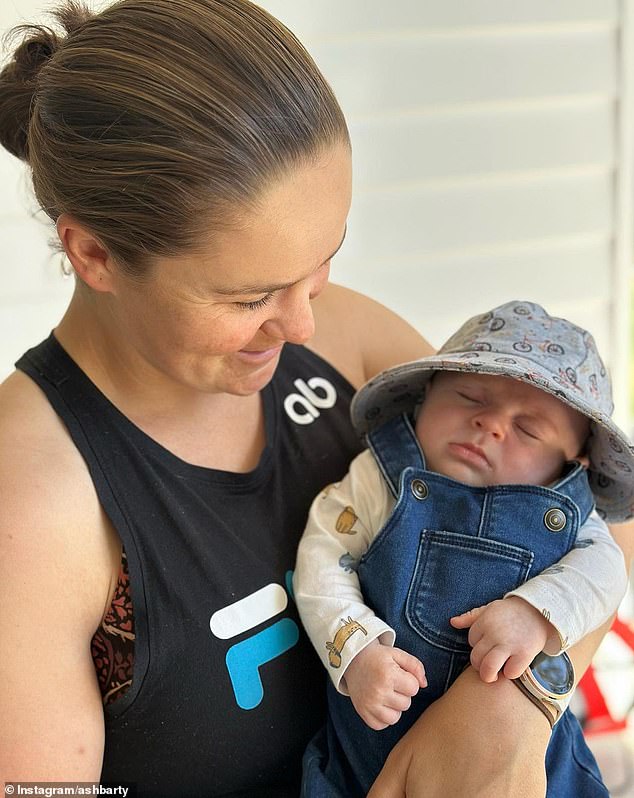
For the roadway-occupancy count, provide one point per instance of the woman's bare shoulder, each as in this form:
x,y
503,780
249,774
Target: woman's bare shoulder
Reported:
x,y
49,502
360,336
32,436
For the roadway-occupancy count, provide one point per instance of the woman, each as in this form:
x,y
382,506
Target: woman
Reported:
x,y
160,450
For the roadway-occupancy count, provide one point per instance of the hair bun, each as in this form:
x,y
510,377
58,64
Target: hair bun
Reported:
x,y
17,86
34,52
18,78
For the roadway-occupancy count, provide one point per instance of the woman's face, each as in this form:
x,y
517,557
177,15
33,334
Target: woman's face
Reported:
x,y
217,321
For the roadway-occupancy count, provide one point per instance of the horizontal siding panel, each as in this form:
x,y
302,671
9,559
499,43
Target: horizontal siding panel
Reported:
x,y
437,312
310,19
436,293
395,224
371,76
461,143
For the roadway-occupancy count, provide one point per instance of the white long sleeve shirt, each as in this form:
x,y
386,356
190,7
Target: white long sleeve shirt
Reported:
x,y
577,594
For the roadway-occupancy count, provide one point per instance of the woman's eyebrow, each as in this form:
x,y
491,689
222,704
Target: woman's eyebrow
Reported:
x,y
269,289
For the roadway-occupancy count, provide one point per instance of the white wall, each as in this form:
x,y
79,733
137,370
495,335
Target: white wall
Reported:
x,y
488,156
489,164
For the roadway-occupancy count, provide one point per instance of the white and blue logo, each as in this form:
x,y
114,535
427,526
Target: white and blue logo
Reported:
x,y
244,659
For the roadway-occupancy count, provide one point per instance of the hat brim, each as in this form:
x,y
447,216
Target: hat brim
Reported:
x,y
400,388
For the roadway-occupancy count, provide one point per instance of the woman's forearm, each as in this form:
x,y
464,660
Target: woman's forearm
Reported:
x,y
480,739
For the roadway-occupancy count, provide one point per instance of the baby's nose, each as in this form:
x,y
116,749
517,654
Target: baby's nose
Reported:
x,y
492,423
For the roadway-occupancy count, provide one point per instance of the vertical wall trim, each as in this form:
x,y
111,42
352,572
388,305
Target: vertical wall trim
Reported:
x,y
624,227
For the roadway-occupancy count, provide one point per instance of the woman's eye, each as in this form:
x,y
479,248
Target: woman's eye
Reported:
x,y
256,304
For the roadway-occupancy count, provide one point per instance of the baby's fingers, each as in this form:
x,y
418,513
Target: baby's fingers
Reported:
x,y
382,717
492,663
466,619
516,665
412,665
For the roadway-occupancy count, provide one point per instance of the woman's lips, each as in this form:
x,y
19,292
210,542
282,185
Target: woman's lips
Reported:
x,y
258,356
470,453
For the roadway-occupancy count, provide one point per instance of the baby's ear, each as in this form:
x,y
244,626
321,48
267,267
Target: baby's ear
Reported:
x,y
583,459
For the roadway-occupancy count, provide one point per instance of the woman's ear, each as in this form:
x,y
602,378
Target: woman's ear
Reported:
x,y
89,258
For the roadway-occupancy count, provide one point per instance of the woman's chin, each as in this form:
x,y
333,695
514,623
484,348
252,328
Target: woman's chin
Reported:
x,y
245,381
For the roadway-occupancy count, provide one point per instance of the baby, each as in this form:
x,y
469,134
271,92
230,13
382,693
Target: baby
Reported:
x,y
468,529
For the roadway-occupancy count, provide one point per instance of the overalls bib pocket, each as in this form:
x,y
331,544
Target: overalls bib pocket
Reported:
x,y
455,573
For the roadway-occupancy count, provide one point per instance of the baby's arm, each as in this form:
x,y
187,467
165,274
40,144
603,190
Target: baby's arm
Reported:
x,y
551,611
355,646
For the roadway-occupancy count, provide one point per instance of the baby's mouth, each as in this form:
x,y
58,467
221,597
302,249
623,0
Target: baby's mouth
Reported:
x,y
470,453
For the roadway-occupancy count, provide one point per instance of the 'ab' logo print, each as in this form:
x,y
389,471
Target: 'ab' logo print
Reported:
x,y
303,407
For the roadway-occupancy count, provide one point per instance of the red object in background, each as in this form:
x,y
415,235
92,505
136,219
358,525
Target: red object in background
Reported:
x,y
597,718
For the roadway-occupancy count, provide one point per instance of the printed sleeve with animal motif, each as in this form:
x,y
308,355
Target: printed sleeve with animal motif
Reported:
x,y
344,520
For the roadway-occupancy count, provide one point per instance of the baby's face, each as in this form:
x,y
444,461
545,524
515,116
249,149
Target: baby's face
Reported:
x,y
489,430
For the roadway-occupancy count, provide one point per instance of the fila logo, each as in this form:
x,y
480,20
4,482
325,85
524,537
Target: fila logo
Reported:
x,y
302,407
246,658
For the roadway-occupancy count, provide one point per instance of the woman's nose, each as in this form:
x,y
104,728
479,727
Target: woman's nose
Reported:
x,y
294,321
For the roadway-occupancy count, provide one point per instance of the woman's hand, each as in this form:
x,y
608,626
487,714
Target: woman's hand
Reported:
x,y
481,740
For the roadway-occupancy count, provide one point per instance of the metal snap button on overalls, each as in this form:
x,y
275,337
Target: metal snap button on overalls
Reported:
x,y
419,489
555,520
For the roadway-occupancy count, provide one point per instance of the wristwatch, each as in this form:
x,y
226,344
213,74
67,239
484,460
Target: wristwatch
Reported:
x,y
548,682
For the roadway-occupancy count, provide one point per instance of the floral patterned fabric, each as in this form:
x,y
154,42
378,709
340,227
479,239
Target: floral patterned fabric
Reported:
x,y
112,645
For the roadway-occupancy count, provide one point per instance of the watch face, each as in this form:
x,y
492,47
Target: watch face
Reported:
x,y
554,674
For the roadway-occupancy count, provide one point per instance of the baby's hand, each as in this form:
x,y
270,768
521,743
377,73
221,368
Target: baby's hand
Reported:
x,y
381,681
505,635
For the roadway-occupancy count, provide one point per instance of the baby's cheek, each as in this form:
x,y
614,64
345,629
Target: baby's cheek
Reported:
x,y
546,469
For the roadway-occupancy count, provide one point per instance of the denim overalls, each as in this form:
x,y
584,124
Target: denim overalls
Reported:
x,y
447,548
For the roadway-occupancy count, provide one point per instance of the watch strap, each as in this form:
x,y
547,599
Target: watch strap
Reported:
x,y
550,711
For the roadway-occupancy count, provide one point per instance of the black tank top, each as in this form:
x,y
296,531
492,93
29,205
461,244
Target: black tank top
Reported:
x,y
226,689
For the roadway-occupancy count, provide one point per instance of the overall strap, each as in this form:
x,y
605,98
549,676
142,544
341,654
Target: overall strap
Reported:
x,y
574,484
395,447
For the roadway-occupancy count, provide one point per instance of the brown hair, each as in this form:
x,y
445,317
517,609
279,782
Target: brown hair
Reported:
x,y
152,121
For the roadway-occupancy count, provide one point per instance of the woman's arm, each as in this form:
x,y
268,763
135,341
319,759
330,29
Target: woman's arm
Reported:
x,y
475,741
482,742
56,561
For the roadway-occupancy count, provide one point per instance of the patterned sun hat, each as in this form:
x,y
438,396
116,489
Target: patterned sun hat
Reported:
x,y
520,340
